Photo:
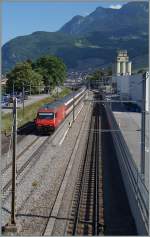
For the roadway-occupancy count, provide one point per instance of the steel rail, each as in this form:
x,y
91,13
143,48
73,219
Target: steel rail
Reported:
x,y
85,206
36,154
58,191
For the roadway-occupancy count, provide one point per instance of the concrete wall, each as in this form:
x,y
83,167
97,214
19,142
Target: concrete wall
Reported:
x,y
136,88
147,130
147,93
122,86
137,193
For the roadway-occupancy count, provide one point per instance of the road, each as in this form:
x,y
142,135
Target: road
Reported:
x,y
31,99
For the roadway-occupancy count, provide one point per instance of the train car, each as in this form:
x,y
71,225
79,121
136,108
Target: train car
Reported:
x,y
51,115
75,98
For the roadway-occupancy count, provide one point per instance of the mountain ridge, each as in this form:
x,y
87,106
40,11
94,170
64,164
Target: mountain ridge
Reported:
x,y
87,41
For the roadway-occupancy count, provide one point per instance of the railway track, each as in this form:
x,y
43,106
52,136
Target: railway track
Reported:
x,y
30,160
19,155
87,217
33,158
30,145
48,230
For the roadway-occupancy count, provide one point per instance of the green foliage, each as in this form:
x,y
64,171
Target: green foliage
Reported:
x,y
52,69
23,75
141,71
109,71
36,82
29,111
97,75
3,89
45,71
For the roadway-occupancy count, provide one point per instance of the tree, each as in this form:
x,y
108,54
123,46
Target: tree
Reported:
x,y
36,82
97,75
23,75
52,69
141,71
109,71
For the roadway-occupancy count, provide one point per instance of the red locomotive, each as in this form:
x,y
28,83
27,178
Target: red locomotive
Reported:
x,y
51,115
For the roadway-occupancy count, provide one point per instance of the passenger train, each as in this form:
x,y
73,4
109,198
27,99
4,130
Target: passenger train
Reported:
x,y
49,116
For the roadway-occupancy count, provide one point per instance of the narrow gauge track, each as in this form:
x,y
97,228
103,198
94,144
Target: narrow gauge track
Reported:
x,y
87,206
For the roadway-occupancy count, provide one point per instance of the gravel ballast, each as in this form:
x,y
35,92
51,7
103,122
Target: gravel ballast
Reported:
x,y
37,188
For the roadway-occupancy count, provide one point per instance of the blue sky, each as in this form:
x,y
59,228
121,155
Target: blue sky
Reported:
x,y
22,18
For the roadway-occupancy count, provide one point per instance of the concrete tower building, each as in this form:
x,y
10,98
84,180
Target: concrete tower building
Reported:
x,y
123,64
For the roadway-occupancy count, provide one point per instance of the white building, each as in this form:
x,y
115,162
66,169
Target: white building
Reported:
x,y
123,64
130,88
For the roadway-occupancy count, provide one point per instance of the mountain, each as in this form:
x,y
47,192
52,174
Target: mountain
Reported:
x,y
132,15
90,41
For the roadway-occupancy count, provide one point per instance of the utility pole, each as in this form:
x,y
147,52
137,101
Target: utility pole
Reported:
x,y
13,88
30,89
13,221
12,227
73,103
57,90
48,88
39,88
143,127
23,99
73,98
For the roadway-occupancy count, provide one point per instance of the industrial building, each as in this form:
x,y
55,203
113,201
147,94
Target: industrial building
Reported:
x,y
129,86
123,63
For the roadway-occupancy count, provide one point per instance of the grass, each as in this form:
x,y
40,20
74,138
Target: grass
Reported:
x,y
29,112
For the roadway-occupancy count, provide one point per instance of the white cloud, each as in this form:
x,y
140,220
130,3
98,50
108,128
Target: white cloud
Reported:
x,y
117,6
85,13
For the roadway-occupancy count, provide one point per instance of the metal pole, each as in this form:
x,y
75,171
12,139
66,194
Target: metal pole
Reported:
x,y
111,95
13,89
39,88
57,91
143,127
13,221
23,100
73,105
30,89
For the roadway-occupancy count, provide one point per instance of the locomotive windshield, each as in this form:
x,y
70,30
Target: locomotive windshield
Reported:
x,y
45,115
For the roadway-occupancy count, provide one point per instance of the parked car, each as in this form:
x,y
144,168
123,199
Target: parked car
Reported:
x,y
4,103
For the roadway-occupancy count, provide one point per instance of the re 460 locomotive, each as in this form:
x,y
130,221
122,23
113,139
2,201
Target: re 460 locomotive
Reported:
x,y
51,115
